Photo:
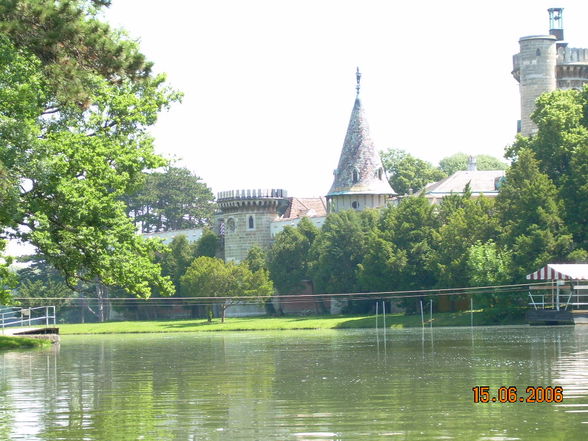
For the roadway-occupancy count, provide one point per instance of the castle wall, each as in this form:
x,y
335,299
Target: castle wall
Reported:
x,y
356,202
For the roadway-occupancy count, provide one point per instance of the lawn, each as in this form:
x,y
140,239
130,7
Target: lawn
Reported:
x,y
9,343
284,323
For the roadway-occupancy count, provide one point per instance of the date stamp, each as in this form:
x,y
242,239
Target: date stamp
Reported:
x,y
510,394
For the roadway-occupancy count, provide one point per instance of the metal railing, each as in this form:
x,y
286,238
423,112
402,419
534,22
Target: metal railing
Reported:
x,y
39,316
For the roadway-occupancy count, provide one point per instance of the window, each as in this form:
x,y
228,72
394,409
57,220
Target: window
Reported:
x,y
251,223
538,52
231,225
355,205
355,176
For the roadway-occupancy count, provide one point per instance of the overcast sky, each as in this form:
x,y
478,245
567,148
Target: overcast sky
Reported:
x,y
269,85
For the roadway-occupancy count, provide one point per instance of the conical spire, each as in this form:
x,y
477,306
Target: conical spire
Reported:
x,y
360,169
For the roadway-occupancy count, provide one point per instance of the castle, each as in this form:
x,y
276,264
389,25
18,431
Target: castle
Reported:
x,y
253,217
546,63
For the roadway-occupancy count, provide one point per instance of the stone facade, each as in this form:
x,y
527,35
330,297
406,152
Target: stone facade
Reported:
x,y
545,64
246,219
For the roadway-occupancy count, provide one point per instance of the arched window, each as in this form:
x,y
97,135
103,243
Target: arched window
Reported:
x,y
355,205
251,223
231,225
538,52
355,176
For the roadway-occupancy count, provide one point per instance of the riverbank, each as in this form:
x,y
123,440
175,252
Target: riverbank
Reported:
x,y
394,321
10,343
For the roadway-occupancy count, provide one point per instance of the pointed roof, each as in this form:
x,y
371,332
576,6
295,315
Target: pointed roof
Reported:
x,y
360,169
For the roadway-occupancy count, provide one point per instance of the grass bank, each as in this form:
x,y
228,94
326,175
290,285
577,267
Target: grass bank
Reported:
x,y
9,343
481,318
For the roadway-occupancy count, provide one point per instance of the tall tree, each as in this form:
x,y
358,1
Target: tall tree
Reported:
x,y
173,199
408,174
76,101
561,149
529,211
289,256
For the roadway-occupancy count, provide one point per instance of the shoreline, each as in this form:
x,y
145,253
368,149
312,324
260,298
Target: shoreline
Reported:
x,y
264,323
14,343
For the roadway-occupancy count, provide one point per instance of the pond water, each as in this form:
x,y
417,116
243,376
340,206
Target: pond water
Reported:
x,y
299,385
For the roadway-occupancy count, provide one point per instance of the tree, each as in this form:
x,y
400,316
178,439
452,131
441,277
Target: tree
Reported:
x,y
207,245
8,280
256,259
459,161
76,101
561,149
211,277
173,199
529,212
339,249
465,225
177,259
289,256
408,174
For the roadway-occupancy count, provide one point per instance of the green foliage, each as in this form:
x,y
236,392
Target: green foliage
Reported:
x,y
256,259
76,102
174,199
408,174
459,161
529,212
465,225
339,249
288,259
8,280
207,245
211,277
488,265
176,260
561,149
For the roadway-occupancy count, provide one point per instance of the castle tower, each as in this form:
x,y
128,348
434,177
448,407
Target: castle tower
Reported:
x,y
360,180
545,64
246,217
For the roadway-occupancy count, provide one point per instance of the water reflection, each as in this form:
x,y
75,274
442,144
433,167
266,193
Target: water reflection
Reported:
x,y
412,384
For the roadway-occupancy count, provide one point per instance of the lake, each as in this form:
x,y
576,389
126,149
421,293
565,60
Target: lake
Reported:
x,y
299,385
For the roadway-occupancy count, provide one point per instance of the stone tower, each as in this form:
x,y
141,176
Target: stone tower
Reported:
x,y
360,180
545,64
246,218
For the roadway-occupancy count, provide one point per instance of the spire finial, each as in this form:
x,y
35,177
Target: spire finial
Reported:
x,y
358,78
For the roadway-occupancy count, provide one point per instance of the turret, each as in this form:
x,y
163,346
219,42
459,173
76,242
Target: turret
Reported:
x,y
360,180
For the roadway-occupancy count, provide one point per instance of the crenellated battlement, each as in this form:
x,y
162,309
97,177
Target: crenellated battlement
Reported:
x,y
572,55
256,193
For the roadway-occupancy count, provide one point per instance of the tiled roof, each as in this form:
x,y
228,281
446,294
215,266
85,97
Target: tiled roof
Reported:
x,y
309,207
359,157
481,181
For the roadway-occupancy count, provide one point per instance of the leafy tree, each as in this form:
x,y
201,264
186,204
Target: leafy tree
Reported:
x,y
76,101
488,265
289,256
561,149
411,227
529,211
211,277
173,199
339,249
472,222
8,280
207,245
177,259
408,174
459,161
256,259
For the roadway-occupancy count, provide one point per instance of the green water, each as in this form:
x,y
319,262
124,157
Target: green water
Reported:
x,y
302,385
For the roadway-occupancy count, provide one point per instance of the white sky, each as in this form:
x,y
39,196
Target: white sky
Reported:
x,y
269,84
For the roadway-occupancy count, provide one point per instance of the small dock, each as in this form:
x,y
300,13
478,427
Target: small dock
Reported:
x,y
45,333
